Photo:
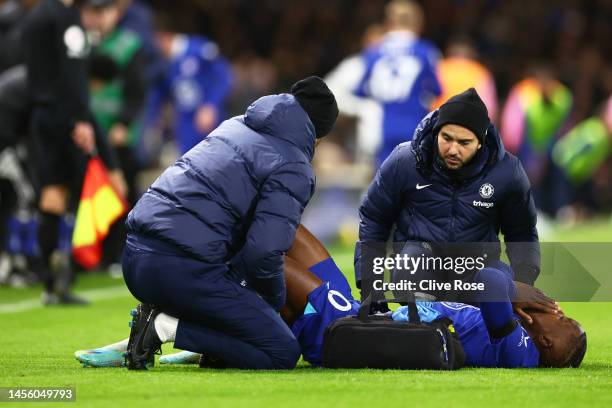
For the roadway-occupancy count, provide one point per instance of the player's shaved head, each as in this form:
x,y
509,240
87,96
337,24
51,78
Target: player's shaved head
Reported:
x,y
561,340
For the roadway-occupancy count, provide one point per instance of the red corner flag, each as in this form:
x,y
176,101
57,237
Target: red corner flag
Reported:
x,y
100,206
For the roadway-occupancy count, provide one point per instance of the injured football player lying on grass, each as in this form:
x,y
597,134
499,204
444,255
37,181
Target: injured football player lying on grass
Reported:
x,y
492,335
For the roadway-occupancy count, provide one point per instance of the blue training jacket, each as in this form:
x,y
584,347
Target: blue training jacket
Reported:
x,y
235,200
428,203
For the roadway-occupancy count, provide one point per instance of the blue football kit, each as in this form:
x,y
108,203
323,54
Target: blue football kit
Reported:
x,y
517,349
333,300
197,75
400,75
327,303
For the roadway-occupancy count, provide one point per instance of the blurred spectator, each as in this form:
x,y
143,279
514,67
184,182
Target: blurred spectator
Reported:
x,y
17,225
460,70
584,155
197,84
118,83
398,74
254,77
12,16
137,16
14,106
534,115
118,86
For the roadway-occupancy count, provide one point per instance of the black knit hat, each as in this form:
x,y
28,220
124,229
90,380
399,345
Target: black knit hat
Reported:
x,y
467,110
318,102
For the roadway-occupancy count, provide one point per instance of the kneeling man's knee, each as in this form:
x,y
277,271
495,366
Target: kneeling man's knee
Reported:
x,y
288,355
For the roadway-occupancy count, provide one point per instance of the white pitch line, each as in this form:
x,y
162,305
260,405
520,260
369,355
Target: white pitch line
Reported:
x,y
93,295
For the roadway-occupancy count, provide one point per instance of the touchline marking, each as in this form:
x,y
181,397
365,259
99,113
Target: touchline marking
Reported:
x,y
93,294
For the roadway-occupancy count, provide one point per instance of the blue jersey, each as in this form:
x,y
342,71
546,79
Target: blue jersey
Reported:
x,y
330,301
197,75
514,350
400,74
333,300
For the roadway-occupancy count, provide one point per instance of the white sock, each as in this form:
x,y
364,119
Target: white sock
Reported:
x,y
119,346
165,327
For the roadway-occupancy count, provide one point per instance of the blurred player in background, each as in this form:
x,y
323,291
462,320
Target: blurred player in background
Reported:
x,y
56,61
398,74
197,83
366,111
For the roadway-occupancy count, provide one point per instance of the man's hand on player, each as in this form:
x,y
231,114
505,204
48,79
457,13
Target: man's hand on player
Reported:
x,y
529,297
83,137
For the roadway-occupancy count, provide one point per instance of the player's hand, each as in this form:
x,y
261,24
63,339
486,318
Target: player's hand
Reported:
x,y
84,137
118,135
118,182
529,297
205,118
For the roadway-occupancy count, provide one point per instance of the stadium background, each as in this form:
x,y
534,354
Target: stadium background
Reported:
x,y
271,44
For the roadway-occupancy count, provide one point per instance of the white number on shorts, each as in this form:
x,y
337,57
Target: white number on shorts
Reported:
x,y
331,296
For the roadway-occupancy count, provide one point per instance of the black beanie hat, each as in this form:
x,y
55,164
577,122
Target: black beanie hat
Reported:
x,y
318,102
467,110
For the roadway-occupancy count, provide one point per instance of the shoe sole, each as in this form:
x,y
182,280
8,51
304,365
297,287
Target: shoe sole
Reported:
x,y
133,341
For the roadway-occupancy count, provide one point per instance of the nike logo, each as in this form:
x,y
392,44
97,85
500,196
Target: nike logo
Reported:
x,y
420,187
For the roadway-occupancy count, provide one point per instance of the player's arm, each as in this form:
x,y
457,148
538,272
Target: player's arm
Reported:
x,y
221,76
518,225
379,208
283,198
344,81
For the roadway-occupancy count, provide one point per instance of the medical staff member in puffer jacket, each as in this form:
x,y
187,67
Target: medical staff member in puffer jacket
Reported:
x,y
206,242
454,182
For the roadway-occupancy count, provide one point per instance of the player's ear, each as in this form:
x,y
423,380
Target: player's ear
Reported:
x,y
545,341
479,145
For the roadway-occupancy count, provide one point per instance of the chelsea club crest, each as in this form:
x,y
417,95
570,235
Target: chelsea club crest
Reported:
x,y
486,190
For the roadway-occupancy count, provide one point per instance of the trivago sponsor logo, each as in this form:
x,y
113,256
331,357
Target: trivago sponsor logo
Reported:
x,y
483,204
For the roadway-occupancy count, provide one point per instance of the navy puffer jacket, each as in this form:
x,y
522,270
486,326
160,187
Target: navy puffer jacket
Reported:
x,y
234,201
414,192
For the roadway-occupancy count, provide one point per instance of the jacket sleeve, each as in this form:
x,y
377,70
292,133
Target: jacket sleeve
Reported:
x,y
518,225
283,197
379,208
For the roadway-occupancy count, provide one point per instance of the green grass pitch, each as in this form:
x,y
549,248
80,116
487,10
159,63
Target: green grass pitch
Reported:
x,y
36,347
